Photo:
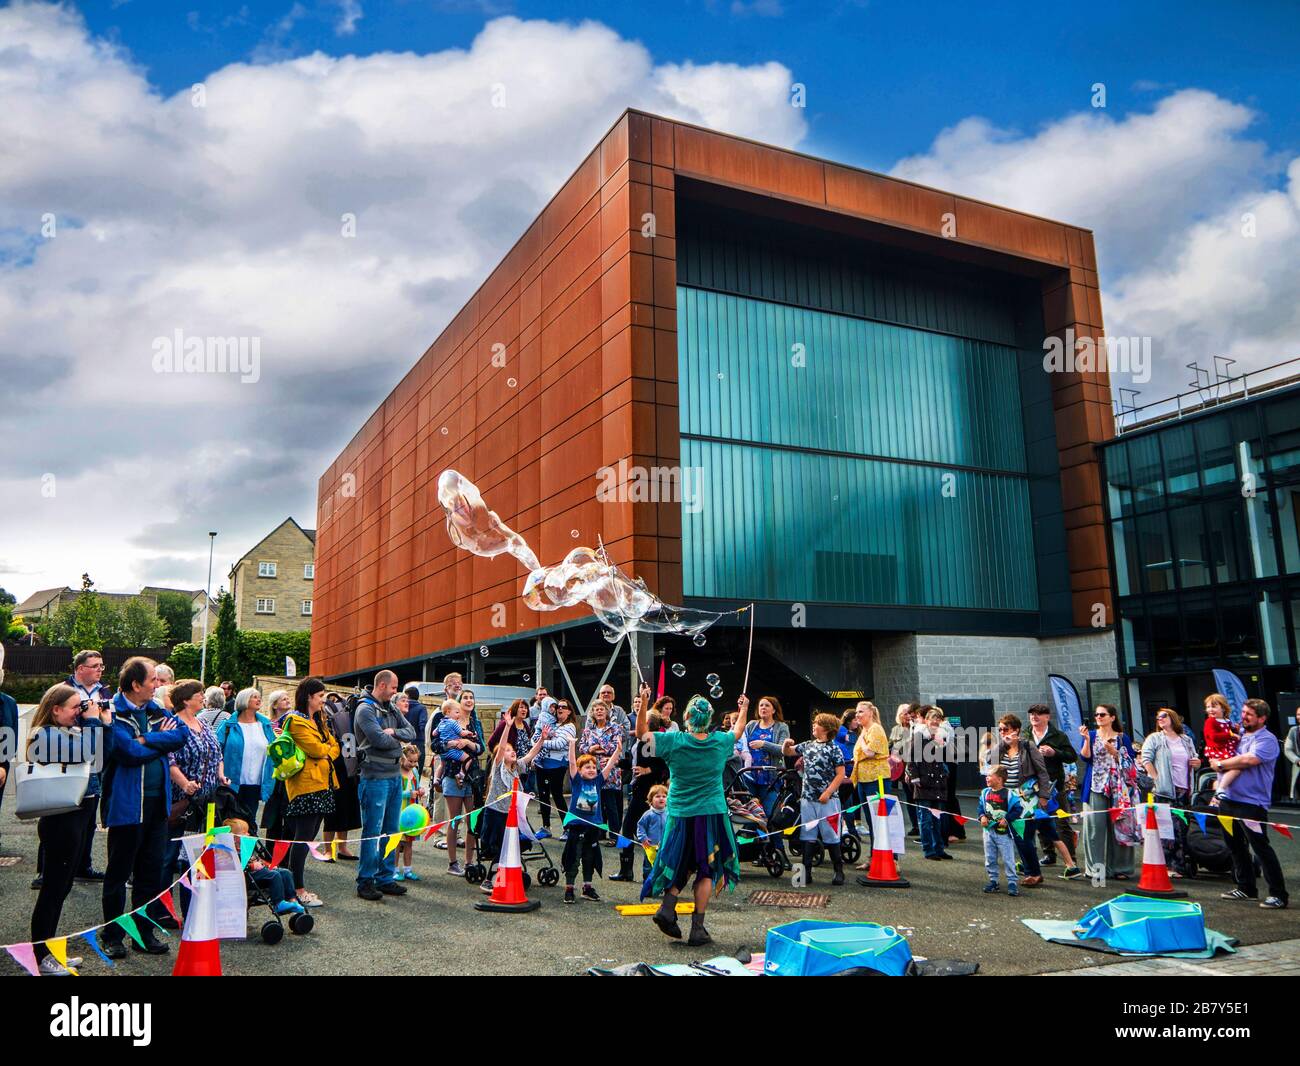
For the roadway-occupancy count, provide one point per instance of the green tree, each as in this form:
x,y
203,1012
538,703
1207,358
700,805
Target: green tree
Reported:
x,y
141,626
176,611
85,626
223,655
110,629
184,659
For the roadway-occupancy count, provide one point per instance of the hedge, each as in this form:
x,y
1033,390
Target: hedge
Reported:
x,y
259,653
29,688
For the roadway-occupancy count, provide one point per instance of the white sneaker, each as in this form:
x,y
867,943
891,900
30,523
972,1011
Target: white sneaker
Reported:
x,y
51,967
310,899
456,870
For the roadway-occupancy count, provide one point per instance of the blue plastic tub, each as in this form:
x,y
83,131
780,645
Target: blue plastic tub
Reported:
x,y
1138,923
815,949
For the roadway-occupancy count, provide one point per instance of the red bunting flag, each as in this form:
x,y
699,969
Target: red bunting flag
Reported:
x,y
1282,829
960,819
833,820
278,852
166,900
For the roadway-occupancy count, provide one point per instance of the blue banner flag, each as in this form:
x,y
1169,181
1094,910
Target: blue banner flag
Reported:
x,y
1065,697
1230,685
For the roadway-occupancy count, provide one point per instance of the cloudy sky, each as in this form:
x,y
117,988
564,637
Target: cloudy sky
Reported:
x,y
128,213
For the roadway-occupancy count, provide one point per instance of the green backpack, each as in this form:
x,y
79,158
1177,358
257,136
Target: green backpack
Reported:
x,y
286,757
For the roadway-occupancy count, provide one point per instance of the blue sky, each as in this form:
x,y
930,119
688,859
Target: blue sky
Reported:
x,y
132,211
883,78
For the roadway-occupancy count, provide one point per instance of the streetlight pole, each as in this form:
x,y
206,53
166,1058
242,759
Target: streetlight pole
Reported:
x,y
207,610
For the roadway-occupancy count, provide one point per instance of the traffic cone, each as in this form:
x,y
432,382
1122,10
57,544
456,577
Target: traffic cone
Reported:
x,y
200,952
508,885
1155,874
883,872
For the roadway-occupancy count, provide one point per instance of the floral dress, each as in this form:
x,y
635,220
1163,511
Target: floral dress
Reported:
x,y
606,737
1116,779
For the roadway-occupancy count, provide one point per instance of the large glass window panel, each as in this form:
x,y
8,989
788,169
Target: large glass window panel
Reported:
x,y
1258,502
1282,419
1128,563
1239,627
855,531
1182,476
1128,645
1218,450
1189,547
1117,480
1154,553
1137,635
1286,499
1272,627
1228,547
1147,471
1201,635
1166,635
776,374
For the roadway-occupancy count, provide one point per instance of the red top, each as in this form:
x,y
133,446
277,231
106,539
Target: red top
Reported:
x,y
1220,740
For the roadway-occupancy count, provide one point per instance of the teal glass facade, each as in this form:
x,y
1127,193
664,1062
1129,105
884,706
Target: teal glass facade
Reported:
x,y
1204,517
860,426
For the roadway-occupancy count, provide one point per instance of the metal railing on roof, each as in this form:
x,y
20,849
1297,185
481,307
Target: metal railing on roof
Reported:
x,y
1203,397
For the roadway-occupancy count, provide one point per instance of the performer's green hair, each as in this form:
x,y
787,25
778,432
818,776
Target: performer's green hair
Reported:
x,y
698,714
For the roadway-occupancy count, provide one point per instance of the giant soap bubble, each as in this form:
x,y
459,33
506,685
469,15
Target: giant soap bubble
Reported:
x,y
584,576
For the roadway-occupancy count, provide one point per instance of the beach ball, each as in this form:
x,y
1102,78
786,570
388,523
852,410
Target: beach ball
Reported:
x,y
414,820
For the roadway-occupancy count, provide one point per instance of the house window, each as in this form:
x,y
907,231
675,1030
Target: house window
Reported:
x,y
309,571
266,569
265,605
306,606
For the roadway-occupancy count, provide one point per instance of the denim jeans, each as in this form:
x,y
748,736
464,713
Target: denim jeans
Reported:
x,y
381,807
1000,846
931,842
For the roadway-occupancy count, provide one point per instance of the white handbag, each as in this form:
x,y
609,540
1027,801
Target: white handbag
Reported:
x,y
50,788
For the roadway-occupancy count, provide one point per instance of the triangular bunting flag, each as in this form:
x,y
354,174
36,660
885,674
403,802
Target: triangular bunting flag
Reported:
x,y
739,840
1286,832
570,818
166,900
1251,824
93,941
1061,814
128,923
1226,821
1200,819
623,842
473,821
316,852
144,913
334,850
790,832
185,880
391,846
651,850
247,845
833,820
1115,813
1041,815
429,832
936,812
25,956
1018,826
1180,813
960,819
278,851
59,949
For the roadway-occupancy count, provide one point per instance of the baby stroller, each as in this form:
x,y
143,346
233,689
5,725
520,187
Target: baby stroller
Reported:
x,y
530,851
1208,849
272,929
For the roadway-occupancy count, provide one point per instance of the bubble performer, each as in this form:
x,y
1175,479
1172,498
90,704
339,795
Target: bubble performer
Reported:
x,y
697,837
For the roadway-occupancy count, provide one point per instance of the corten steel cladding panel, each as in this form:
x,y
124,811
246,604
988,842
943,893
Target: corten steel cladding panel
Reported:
x,y
583,308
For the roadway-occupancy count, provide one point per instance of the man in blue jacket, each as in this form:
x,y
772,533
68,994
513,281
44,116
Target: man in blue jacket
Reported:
x,y
136,801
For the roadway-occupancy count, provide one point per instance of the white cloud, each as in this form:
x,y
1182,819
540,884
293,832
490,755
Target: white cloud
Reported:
x,y
1164,192
226,219
349,15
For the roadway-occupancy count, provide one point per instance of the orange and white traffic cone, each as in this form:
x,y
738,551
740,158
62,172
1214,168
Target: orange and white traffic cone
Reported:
x,y
508,884
1155,874
200,952
883,872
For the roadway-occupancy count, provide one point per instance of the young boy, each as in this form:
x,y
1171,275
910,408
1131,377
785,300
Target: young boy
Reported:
x,y
412,794
277,884
819,805
507,766
999,806
586,780
650,826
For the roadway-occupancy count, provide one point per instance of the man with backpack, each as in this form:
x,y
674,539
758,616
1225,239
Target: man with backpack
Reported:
x,y
380,733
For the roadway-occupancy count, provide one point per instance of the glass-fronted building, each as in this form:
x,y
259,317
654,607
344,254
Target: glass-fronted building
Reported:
x,y
1203,513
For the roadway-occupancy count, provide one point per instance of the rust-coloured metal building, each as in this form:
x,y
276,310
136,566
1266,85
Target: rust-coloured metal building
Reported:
x,y
647,316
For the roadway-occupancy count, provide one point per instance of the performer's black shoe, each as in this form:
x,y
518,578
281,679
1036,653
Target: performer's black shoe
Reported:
x,y
699,935
666,917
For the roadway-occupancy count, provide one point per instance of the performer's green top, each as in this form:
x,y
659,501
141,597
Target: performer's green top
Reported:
x,y
695,766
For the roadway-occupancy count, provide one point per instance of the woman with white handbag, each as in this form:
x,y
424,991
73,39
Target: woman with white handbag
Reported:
x,y
59,784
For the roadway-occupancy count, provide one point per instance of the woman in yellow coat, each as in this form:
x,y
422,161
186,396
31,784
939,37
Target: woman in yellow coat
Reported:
x,y
311,789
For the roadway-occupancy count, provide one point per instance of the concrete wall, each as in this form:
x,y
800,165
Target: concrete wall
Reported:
x,y
1012,671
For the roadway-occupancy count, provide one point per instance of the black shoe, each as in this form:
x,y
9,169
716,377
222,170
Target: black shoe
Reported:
x,y
589,892
914,832
367,890
620,876
88,875
37,881
152,946
666,918
699,935
944,855
114,949
838,879
569,897
391,888
1047,860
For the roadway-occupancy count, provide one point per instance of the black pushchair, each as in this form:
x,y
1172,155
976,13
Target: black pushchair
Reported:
x,y
1207,849
272,928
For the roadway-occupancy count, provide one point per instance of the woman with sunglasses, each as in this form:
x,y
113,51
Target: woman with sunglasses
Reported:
x,y
1109,780
552,765
1169,758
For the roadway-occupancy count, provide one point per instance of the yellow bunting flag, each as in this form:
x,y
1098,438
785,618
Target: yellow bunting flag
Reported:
x,y
1226,821
651,850
391,846
334,848
212,816
1062,814
880,786
790,832
59,949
